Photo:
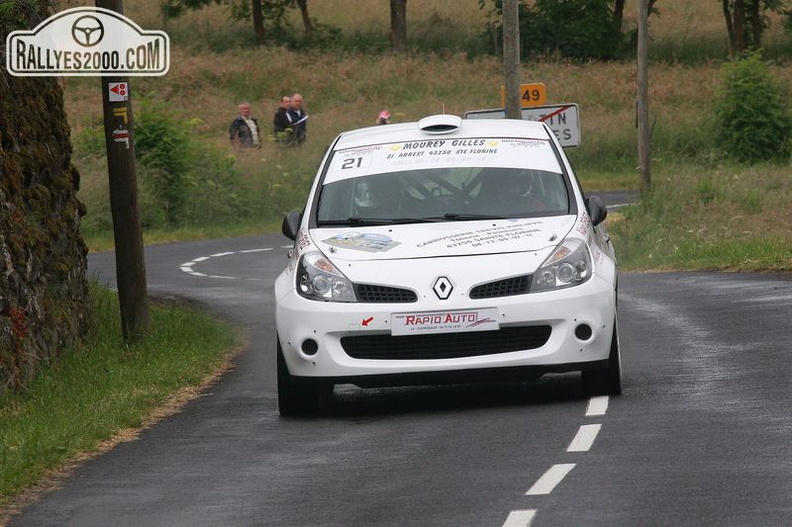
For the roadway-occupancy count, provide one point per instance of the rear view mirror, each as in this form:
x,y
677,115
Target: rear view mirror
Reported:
x,y
596,210
291,224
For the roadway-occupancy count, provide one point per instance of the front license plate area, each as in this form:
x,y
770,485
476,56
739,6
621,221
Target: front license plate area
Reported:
x,y
483,319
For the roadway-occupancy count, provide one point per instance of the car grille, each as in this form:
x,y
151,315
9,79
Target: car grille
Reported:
x,y
519,285
381,293
445,345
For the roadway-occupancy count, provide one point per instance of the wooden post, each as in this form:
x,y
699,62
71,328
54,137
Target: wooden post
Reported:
x,y
511,57
127,232
642,106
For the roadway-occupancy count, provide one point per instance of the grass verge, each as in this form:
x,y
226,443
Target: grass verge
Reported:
x,y
105,391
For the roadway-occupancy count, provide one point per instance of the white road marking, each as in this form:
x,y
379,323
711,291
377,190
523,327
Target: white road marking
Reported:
x,y
550,479
597,406
520,518
187,267
584,438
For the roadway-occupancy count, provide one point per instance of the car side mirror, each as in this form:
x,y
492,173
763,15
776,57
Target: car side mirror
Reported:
x,y
291,224
596,210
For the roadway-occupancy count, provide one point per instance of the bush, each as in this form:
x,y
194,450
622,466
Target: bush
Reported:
x,y
753,124
183,182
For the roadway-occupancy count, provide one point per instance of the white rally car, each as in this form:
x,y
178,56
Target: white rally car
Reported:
x,y
446,250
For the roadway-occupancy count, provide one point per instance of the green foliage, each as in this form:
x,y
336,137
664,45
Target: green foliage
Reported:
x,y
183,182
17,14
163,149
753,121
574,29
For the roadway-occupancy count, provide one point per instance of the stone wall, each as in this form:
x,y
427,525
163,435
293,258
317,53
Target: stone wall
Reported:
x,y
44,303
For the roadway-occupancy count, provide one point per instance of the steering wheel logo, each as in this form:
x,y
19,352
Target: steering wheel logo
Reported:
x,y
87,31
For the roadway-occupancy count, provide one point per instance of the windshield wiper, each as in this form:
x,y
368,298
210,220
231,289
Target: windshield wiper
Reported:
x,y
356,221
454,216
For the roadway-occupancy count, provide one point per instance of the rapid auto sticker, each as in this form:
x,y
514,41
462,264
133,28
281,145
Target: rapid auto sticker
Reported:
x,y
487,235
369,242
415,155
483,319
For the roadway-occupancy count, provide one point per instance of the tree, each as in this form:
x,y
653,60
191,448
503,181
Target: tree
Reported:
x,y
307,24
746,22
577,29
398,33
267,15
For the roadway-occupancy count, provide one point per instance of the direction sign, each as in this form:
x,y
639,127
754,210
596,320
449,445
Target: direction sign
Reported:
x,y
561,118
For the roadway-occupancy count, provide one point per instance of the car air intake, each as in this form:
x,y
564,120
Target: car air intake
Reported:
x,y
384,294
445,345
519,285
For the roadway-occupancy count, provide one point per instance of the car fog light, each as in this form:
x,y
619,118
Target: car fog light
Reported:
x,y
310,347
583,332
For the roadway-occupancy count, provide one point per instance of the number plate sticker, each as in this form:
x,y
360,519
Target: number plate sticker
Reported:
x,y
445,321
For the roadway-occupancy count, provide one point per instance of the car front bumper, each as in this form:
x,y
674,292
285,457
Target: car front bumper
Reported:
x,y
580,320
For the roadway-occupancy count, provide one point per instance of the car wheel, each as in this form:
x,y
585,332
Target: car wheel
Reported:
x,y
299,397
608,380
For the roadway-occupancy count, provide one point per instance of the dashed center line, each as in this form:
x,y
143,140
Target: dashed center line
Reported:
x,y
584,438
597,406
582,442
550,479
520,518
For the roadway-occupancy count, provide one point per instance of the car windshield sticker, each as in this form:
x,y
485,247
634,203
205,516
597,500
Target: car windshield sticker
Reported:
x,y
451,153
368,242
487,236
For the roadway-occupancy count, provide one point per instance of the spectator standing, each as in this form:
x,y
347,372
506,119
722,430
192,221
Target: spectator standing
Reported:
x,y
299,120
282,126
244,131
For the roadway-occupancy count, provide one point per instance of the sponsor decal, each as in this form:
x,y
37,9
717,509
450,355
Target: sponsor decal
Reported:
x,y
584,224
88,41
487,235
368,242
445,321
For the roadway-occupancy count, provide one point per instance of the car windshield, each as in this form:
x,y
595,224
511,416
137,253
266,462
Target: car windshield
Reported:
x,y
442,184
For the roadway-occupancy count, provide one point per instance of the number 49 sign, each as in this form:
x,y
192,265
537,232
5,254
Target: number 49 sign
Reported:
x,y
534,94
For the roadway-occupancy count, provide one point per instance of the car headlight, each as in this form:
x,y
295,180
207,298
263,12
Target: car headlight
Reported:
x,y
318,279
569,265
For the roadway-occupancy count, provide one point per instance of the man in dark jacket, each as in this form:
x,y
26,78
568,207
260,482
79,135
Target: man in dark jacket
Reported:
x,y
244,131
281,124
299,120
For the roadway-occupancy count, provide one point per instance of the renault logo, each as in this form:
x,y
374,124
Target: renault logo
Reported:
x,y
443,287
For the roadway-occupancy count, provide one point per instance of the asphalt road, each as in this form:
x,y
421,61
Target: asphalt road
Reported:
x,y
701,436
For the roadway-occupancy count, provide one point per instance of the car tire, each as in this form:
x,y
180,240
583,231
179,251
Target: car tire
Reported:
x,y
300,397
608,380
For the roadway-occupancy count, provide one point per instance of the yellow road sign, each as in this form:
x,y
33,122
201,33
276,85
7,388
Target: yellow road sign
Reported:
x,y
534,94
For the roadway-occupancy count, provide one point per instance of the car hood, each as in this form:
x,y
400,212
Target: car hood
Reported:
x,y
442,239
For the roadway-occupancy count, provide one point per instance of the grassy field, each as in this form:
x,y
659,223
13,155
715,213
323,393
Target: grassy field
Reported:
x,y
344,90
